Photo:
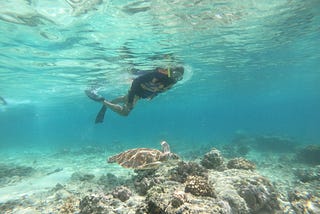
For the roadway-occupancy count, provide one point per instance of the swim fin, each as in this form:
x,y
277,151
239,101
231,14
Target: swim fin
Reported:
x,y
94,96
100,115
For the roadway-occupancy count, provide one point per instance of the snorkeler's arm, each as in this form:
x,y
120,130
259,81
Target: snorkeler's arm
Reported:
x,y
168,87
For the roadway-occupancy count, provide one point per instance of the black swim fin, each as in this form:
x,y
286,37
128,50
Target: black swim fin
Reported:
x,y
100,115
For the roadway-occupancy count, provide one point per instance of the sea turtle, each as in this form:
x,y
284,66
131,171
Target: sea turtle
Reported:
x,y
143,158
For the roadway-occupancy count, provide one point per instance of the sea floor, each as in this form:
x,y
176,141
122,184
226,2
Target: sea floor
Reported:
x,y
54,181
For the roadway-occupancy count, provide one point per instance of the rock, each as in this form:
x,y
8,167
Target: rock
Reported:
x,y
199,186
122,193
241,163
213,160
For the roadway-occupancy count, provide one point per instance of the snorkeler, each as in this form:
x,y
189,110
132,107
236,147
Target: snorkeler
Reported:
x,y
2,101
146,86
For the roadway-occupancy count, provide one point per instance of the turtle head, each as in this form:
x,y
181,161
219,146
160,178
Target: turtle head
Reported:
x,y
167,155
165,147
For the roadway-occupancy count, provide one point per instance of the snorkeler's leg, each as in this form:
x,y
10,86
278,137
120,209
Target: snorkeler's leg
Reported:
x,y
122,110
101,113
122,99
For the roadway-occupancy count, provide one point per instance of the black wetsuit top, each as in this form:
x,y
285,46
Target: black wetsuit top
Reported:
x,y
149,85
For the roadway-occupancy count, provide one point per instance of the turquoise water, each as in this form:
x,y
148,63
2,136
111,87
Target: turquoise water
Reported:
x,y
251,66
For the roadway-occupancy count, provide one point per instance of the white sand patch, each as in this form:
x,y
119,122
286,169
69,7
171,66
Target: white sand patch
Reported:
x,y
33,185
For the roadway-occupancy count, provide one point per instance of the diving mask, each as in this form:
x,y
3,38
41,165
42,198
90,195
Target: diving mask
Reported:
x,y
176,73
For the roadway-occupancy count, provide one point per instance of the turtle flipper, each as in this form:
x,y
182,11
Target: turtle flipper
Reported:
x,y
152,165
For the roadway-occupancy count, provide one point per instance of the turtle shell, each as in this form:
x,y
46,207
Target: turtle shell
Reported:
x,y
141,158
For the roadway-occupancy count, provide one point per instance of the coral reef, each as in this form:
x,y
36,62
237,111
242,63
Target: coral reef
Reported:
x,y
241,163
309,154
69,206
178,198
178,187
190,188
106,203
185,169
145,179
213,160
170,198
228,191
94,204
122,193
199,186
245,191
304,202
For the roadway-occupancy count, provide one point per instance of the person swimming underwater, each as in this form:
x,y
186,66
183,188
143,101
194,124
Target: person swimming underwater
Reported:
x,y
146,86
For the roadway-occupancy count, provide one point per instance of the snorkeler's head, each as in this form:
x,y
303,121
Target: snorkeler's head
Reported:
x,y
176,73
